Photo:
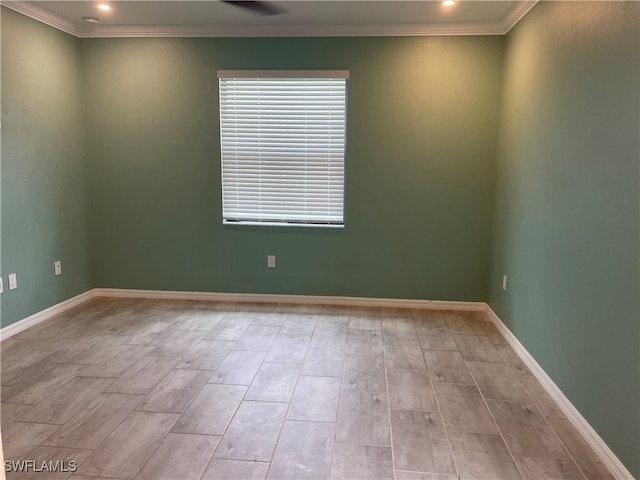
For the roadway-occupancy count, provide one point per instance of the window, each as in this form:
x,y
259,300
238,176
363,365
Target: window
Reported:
x,y
282,137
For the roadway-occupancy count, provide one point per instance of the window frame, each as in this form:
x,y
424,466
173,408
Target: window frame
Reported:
x,y
300,75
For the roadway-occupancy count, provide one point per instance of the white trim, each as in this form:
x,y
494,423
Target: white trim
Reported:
x,y
517,14
298,299
615,466
283,73
45,314
167,31
43,16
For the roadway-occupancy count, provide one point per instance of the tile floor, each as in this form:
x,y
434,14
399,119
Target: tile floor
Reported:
x,y
149,389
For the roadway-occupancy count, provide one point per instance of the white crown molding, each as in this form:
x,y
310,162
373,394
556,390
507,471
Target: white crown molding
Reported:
x,y
45,314
42,16
297,299
610,460
516,14
294,31
391,30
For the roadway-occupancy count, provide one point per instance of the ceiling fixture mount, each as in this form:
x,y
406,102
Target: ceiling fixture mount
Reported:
x,y
104,7
90,19
449,3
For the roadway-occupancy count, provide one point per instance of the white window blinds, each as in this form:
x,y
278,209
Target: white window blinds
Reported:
x,y
283,140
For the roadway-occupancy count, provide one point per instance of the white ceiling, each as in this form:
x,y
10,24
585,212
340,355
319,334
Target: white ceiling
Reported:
x,y
213,18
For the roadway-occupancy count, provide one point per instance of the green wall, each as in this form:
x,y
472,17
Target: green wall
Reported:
x,y
44,198
422,125
567,209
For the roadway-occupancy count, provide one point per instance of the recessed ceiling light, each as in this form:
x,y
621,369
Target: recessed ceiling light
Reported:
x,y
448,3
104,6
90,19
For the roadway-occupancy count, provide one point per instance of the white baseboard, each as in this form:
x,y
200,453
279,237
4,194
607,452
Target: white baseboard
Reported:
x,y
298,299
44,315
610,460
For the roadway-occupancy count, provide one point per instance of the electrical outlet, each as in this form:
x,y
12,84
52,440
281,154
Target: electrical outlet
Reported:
x,y
57,267
1,285
13,281
504,283
271,261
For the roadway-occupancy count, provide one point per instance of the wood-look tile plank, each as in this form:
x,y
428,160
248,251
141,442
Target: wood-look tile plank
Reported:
x,y
365,370
411,390
589,463
274,382
548,469
229,328
21,438
89,427
513,361
324,360
174,393
38,384
91,349
220,469
315,399
363,417
427,316
9,412
482,456
118,363
547,406
200,320
177,343
253,432
352,461
399,329
435,337
420,442
477,348
403,475
492,333
129,446
405,354
211,410
497,382
304,451
289,349
330,332
365,322
359,341
448,367
179,456
395,312
65,402
151,333
144,376
465,323
463,409
258,338
238,368
299,324
206,355
526,431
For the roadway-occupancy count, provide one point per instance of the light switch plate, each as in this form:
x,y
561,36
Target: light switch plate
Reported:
x,y
271,261
57,267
